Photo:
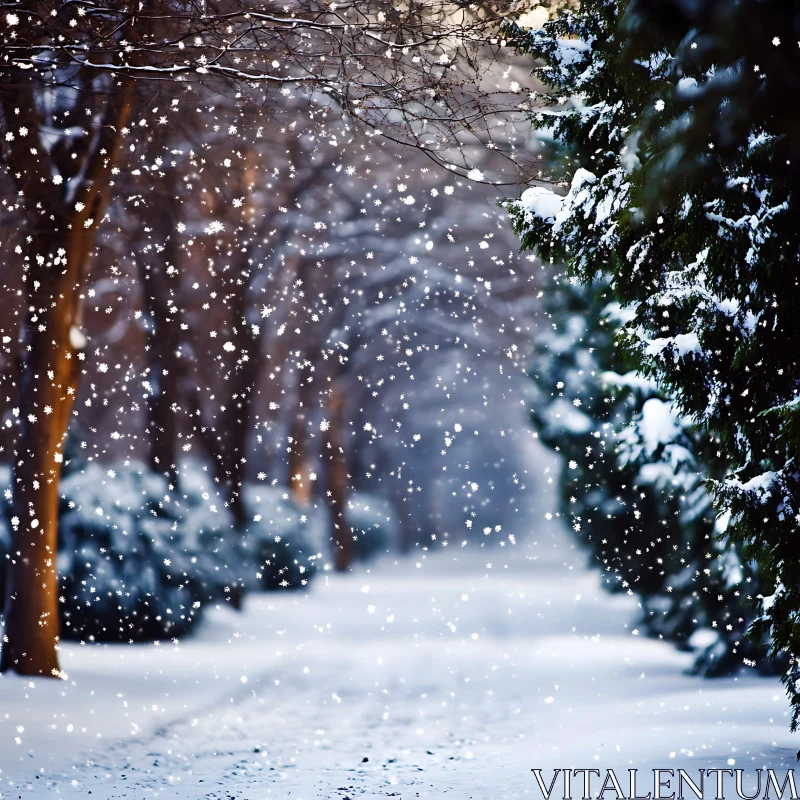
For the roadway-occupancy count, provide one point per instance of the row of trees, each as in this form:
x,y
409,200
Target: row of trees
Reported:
x,y
681,192
633,483
204,160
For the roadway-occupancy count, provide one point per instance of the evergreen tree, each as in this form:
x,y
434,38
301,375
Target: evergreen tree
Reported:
x,y
683,189
632,487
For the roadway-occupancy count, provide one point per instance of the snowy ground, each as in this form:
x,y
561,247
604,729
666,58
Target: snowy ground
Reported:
x,y
450,675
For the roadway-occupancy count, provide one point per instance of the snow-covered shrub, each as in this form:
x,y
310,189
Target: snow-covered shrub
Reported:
x,y
575,413
705,603
373,523
139,560
215,547
136,560
280,549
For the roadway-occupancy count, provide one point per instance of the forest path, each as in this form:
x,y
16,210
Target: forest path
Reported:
x,y
443,675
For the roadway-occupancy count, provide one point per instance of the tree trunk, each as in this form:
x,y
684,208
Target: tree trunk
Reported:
x,y
55,270
299,463
228,442
236,420
338,481
239,420
52,340
162,338
299,479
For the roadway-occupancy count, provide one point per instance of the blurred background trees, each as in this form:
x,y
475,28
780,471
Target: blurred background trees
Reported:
x,y
230,294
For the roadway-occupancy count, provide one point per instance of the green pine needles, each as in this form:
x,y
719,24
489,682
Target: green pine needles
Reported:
x,y
682,191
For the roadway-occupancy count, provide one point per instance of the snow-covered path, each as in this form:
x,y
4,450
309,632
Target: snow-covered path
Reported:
x,y
448,675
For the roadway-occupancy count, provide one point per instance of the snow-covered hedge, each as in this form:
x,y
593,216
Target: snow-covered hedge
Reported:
x,y
284,542
634,484
689,218
139,561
